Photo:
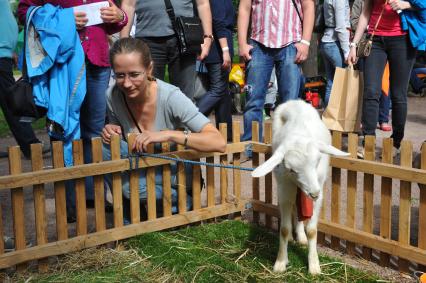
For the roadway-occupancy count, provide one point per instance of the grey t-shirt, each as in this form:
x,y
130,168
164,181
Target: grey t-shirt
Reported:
x,y
174,110
153,20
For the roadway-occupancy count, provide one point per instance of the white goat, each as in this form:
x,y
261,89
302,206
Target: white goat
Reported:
x,y
301,144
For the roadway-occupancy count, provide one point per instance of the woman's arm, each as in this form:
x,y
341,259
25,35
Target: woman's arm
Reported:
x,y
364,18
208,140
341,28
128,6
205,14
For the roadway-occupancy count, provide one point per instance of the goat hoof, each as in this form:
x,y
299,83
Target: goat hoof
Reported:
x,y
280,266
314,269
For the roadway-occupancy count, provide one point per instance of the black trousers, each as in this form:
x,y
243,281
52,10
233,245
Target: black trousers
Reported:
x,y
23,132
165,51
401,55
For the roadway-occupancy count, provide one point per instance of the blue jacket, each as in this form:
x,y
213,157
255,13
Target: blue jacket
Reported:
x,y
56,67
415,23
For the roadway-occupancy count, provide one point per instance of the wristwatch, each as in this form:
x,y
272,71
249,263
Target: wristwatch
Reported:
x,y
353,44
208,36
186,135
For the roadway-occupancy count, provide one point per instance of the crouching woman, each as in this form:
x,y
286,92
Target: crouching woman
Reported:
x,y
139,103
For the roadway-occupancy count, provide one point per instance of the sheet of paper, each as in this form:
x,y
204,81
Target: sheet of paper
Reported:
x,y
93,12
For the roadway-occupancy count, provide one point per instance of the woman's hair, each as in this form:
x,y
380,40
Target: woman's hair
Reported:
x,y
129,45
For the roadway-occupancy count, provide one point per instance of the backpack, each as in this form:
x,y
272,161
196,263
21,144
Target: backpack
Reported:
x,y
319,24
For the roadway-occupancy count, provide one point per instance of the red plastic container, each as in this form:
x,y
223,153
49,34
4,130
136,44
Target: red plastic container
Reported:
x,y
305,206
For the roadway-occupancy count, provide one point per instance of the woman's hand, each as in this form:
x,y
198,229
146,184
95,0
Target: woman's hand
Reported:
x,y
398,5
226,65
352,58
80,20
108,131
112,14
144,139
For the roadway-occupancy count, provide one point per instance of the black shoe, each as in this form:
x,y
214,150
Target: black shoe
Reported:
x,y
109,208
71,218
90,203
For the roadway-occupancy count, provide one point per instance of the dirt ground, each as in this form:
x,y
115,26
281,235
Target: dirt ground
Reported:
x,y
415,132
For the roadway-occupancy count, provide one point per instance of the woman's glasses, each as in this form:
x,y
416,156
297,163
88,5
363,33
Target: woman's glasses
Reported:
x,y
133,76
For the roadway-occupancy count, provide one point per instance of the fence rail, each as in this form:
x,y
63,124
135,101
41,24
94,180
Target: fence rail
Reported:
x,y
358,216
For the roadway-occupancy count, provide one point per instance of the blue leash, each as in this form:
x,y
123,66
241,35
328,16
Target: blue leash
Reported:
x,y
154,155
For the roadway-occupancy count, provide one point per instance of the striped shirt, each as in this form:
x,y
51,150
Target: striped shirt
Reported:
x,y
275,23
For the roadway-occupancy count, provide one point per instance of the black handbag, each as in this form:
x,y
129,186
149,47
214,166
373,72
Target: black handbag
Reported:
x,y
189,30
19,98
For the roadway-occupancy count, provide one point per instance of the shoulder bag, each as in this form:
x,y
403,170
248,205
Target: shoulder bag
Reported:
x,y
19,96
189,30
365,44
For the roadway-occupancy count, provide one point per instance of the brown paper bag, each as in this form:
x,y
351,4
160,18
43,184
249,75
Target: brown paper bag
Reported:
x,y
343,112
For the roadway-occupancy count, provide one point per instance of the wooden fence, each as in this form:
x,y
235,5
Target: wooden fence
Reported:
x,y
356,233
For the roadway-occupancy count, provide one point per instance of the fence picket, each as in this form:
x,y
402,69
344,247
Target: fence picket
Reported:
x,y
17,197
335,190
351,191
422,206
210,182
98,184
150,189
39,203
1,231
386,200
181,176
223,128
196,187
117,190
167,186
80,190
236,158
255,163
135,216
405,204
60,197
368,211
268,177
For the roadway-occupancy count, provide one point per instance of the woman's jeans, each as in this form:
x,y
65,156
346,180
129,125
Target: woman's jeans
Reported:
x,y
401,56
92,121
333,57
217,98
384,106
106,154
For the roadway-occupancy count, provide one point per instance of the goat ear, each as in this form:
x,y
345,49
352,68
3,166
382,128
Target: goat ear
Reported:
x,y
329,149
268,166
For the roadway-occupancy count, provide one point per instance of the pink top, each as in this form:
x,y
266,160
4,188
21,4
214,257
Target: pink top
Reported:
x,y
93,38
275,23
390,23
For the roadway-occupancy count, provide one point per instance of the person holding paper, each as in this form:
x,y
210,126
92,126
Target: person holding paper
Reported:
x,y
95,45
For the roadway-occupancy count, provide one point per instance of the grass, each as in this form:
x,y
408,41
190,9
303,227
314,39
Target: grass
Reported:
x,y
231,251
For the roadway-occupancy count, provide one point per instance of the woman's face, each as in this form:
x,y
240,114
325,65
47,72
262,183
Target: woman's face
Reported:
x,y
129,73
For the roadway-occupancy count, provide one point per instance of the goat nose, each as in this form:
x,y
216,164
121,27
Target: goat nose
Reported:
x,y
314,196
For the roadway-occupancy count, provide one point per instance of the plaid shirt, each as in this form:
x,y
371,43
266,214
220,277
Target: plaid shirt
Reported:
x,y
275,23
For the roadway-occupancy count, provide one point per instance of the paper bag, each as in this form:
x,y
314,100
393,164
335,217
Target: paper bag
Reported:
x,y
343,112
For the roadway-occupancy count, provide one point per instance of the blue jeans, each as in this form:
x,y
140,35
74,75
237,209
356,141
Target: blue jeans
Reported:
x,y
258,74
106,154
401,55
417,83
217,98
333,57
92,121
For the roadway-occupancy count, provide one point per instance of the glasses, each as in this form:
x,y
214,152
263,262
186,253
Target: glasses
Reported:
x,y
133,76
